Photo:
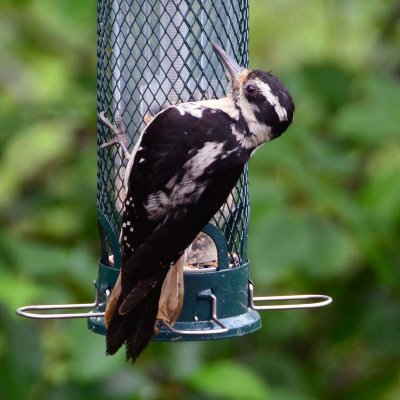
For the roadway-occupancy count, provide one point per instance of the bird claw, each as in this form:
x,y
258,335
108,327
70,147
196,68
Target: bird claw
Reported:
x,y
119,131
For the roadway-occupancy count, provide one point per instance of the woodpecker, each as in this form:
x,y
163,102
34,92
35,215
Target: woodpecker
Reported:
x,y
183,168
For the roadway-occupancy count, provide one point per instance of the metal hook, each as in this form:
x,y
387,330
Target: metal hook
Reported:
x,y
24,311
324,301
214,318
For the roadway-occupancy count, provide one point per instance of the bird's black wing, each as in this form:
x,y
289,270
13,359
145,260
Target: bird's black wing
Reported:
x,y
160,185
183,171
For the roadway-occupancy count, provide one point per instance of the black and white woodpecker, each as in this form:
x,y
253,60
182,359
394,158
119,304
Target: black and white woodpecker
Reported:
x,y
183,167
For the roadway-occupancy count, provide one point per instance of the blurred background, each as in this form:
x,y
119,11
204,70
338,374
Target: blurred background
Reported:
x,y
325,213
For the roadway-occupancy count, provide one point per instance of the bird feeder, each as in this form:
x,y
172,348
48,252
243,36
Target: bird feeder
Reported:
x,y
152,54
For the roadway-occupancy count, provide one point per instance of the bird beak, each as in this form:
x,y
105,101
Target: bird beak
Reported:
x,y
233,69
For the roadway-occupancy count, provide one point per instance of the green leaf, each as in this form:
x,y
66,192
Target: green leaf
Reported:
x,y
17,292
328,82
29,153
371,118
229,380
287,242
87,351
381,194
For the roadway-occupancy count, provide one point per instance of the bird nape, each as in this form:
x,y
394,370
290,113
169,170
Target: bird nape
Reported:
x,y
181,171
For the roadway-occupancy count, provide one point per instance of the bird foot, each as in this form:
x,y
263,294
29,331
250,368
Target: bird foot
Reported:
x,y
119,132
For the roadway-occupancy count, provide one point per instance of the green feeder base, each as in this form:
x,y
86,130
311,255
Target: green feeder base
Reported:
x,y
216,305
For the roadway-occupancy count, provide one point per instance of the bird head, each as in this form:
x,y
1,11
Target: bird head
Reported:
x,y
261,97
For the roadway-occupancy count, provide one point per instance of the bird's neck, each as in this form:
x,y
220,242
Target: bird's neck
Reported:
x,y
253,131
248,130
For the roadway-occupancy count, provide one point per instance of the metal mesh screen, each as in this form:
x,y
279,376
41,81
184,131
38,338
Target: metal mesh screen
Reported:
x,y
155,53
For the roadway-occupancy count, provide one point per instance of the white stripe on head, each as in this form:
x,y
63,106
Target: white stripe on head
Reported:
x,y
272,99
248,109
260,132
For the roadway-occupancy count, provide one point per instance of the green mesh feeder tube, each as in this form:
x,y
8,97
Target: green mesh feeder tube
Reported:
x,y
153,54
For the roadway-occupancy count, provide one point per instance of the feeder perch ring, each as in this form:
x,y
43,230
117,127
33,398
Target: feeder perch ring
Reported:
x,y
324,300
25,311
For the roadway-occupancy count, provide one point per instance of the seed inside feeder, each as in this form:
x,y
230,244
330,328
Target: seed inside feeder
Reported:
x,y
202,254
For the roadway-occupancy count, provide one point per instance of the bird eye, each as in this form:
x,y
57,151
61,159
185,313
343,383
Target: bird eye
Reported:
x,y
251,89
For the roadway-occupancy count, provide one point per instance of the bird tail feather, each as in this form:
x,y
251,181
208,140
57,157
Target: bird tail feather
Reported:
x,y
135,328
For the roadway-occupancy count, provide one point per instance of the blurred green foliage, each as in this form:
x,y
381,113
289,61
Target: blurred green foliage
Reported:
x,y
325,213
